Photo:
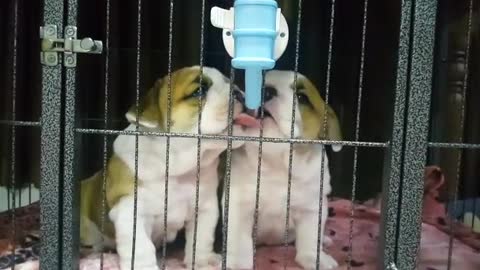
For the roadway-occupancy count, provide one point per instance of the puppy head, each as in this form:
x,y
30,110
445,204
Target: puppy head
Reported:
x,y
310,107
188,86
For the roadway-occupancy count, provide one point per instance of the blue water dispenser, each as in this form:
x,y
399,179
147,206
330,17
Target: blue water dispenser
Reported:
x,y
255,34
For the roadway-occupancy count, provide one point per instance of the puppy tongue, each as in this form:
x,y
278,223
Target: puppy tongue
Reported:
x,y
246,120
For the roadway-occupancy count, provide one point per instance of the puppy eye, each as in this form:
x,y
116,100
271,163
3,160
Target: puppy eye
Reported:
x,y
302,98
201,91
269,93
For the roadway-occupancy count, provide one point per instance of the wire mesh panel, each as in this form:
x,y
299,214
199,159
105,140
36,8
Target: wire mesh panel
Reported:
x,y
101,112
139,57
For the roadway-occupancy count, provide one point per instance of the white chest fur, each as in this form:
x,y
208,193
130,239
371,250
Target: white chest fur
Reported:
x,y
305,189
151,166
308,189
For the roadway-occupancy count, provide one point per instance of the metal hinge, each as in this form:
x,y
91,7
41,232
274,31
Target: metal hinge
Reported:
x,y
52,45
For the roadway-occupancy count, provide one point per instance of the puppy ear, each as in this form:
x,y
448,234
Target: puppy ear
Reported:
x,y
333,126
149,112
334,132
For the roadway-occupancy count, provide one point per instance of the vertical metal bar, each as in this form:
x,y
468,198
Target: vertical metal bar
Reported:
x,y
13,127
226,187
50,149
292,127
462,125
199,131
394,156
70,189
169,124
105,125
357,131
441,80
259,173
137,126
416,134
325,130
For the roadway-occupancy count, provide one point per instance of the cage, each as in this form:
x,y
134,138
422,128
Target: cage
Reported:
x,y
400,75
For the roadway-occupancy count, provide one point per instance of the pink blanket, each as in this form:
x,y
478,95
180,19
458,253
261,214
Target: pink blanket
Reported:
x,y
433,247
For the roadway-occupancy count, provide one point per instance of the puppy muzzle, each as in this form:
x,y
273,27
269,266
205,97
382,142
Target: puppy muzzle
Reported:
x,y
239,95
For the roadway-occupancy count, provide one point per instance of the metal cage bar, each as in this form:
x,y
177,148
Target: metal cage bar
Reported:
x,y
393,156
416,133
230,137
70,186
357,130
50,203
199,131
259,174
168,126
137,127
13,128
106,84
226,187
468,39
328,86
292,127
454,145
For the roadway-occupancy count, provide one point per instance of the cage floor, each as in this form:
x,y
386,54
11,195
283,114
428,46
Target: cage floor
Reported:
x,y
359,242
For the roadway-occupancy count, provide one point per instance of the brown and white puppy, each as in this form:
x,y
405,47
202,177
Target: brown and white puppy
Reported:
x,y
152,165
305,183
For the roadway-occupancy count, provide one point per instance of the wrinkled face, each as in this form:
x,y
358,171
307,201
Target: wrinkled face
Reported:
x,y
310,107
191,93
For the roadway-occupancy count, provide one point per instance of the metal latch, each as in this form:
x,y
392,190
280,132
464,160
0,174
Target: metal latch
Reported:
x,y
52,45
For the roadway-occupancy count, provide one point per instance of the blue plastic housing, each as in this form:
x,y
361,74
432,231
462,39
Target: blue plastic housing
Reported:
x,y
254,36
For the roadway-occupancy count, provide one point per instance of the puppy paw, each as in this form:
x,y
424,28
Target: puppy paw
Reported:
x,y
327,241
127,267
239,263
327,261
205,261
308,262
138,266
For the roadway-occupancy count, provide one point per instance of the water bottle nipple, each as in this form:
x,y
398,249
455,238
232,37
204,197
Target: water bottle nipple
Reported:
x,y
253,86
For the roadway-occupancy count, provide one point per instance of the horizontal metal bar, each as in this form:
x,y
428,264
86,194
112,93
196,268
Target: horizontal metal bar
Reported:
x,y
226,137
100,120
454,145
113,50
19,123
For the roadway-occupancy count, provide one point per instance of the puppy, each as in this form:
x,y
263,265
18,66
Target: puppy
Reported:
x,y
182,167
305,183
